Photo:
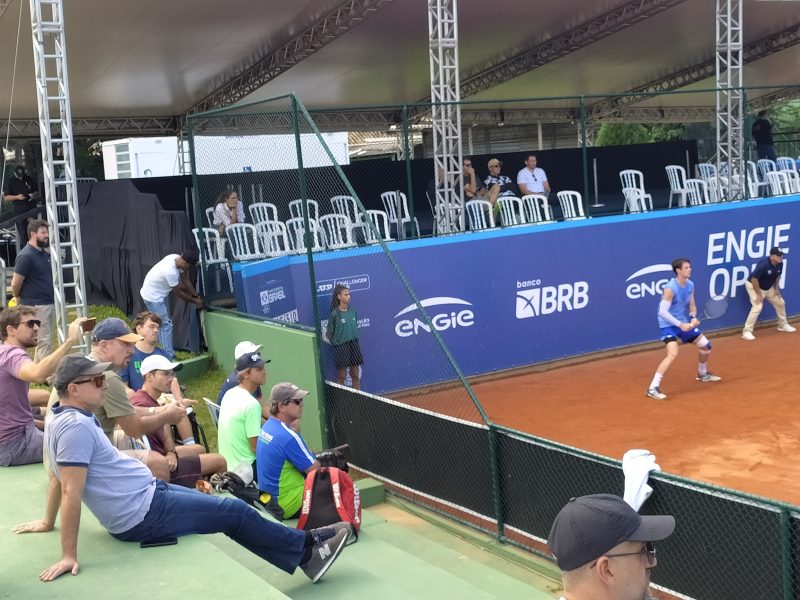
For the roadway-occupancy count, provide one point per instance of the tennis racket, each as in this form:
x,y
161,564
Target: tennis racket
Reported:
x,y
715,307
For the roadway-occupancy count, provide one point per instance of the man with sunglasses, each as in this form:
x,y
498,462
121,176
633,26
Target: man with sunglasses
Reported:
x,y
135,507
605,549
282,456
20,440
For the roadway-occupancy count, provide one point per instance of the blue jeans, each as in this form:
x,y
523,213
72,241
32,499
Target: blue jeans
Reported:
x,y
176,511
165,330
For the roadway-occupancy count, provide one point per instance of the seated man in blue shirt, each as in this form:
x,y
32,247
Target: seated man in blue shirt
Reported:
x,y
232,380
283,458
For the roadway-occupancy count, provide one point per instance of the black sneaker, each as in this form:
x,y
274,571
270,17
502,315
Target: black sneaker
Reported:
x,y
323,555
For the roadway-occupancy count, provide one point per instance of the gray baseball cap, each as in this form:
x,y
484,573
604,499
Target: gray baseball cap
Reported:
x,y
285,391
589,526
73,367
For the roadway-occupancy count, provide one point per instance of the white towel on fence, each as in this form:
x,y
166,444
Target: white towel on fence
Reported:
x,y
636,465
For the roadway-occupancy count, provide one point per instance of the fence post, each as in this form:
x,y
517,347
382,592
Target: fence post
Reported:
x,y
198,214
498,497
584,158
786,554
309,239
407,153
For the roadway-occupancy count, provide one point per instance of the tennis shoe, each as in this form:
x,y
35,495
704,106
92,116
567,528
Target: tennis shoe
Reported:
x,y
708,377
787,328
748,335
323,555
656,394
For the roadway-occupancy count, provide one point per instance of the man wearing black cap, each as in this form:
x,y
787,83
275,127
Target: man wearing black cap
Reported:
x,y
170,274
135,507
241,414
764,284
605,549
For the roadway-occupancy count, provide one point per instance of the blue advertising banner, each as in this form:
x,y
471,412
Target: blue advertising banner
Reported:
x,y
519,296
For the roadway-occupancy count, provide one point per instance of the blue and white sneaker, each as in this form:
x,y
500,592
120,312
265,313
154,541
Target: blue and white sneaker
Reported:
x,y
708,377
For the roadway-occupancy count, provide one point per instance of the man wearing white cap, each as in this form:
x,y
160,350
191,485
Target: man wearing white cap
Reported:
x,y
605,549
189,462
241,414
232,380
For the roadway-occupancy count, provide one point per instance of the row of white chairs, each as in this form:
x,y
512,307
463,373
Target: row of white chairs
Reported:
x,y
531,209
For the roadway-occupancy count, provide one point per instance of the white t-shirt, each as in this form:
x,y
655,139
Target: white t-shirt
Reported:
x,y
160,280
534,181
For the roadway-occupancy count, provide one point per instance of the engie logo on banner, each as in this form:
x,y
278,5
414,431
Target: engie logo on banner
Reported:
x,y
271,295
548,299
455,317
651,281
355,283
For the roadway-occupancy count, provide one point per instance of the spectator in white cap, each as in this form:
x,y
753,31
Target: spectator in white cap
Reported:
x,y
187,462
232,380
241,414
605,549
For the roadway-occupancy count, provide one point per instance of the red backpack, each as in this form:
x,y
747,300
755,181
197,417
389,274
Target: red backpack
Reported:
x,y
329,497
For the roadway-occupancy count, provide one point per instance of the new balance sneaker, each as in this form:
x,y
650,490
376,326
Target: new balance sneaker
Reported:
x,y
656,394
323,534
787,328
748,335
708,377
323,555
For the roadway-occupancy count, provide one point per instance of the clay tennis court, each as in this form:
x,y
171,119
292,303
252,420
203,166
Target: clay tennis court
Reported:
x,y
742,432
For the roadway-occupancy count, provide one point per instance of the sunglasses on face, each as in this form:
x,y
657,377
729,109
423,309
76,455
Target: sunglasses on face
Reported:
x,y
297,402
32,323
98,381
648,549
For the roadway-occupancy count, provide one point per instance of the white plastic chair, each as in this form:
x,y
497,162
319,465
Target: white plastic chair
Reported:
x,y
511,212
765,166
392,205
677,184
210,216
793,177
213,410
261,212
479,213
537,209
697,192
243,241
212,253
706,171
273,237
632,179
636,201
755,186
778,183
380,220
347,206
338,231
296,209
571,205
296,231
786,163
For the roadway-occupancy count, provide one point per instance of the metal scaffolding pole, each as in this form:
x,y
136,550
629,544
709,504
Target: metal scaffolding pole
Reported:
x,y
446,114
730,113
58,161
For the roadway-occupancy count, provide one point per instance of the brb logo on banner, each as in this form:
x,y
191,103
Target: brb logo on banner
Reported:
x,y
455,317
271,295
651,281
534,299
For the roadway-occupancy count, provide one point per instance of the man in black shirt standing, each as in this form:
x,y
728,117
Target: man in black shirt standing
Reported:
x,y
764,284
762,134
32,283
21,192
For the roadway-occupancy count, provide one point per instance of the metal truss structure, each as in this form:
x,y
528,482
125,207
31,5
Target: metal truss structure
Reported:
x,y
730,109
754,51
446,113
578,37
97,127
4,4
58,161
327,29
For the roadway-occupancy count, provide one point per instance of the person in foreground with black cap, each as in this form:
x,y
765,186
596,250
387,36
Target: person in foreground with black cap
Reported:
x,y
170,274
134,506
605,549
241,414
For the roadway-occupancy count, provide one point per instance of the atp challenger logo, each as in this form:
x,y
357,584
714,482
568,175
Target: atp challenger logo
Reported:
x,y
650,281
457,316
534,299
